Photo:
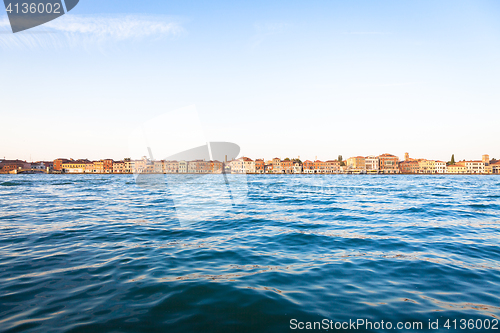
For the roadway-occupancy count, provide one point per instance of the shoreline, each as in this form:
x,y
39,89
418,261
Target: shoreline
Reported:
x,y
262,174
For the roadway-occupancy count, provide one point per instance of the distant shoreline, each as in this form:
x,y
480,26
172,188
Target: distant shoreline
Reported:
x,y
260,174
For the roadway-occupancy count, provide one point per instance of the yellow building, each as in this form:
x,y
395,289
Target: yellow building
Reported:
x,y
74,166
427,166
356,164
457,168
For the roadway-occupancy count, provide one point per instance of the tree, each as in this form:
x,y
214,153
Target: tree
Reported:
x,y
452,159
340,158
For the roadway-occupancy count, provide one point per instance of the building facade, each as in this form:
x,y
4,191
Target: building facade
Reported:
x,y
389,163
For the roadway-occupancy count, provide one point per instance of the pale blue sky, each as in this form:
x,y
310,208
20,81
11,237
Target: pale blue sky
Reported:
x,y
279,78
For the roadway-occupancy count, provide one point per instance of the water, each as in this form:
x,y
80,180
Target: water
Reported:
x,y
97,253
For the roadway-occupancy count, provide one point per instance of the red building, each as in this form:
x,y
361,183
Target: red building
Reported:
x,y
308,167
409,166
332,166
58,164
389,163
259,166
108,166
319,166
7,166
287,166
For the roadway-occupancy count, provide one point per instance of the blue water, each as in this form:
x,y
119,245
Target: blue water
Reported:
x,y
98,253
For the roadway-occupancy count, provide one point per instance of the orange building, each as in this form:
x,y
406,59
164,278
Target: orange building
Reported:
x,y
332,166
108,166
319,166
389,163
409,166
259,166
216,166
287,166
58,163
308,167
7,166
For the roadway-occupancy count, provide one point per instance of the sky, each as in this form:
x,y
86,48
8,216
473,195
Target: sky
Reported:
x,y
314,79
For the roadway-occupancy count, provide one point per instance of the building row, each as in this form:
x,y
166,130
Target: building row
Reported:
x,y
381,164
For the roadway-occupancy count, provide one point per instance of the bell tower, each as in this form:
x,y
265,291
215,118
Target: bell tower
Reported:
x,y
486,159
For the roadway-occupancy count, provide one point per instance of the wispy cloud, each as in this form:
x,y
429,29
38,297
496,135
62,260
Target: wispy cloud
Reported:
x,y
84,31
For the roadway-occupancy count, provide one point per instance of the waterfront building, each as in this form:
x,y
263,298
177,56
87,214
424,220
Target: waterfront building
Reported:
x,y
99,166
308,167
58,163
158,166
486,159
7,166
332,166
319,166
171,167
140,166
108,165
389,163
297,166
243,165
409,166
276,165
287,166
128,165
427,166
38,166
183,166
216,166
372,164
493,167
193,166
356,164
268,167
77,166
457,168
259,166
440,166
89,167
474,166
119,167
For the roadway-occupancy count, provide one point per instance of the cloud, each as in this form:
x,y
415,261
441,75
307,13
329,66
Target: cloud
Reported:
x,y
73,30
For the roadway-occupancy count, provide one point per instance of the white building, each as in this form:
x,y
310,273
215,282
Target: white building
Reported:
x,y
372,163
297,167
440,167
474,166
183,167
243,165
